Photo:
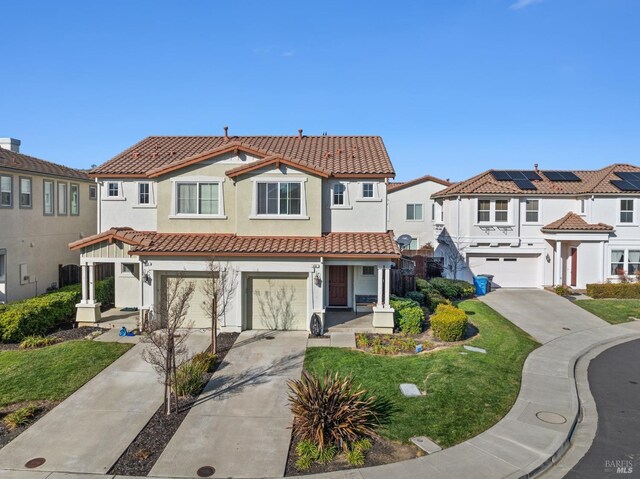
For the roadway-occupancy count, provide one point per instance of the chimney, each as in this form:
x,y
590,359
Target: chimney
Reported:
x,y
300,133
10,144
226,133
535,167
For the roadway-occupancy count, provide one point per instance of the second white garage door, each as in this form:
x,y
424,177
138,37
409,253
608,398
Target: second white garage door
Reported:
x,y
277,302
510,271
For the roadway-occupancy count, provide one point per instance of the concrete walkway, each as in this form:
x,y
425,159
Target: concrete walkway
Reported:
x,y
90,430
241,424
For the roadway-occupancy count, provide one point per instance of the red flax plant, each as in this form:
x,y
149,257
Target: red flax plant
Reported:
x,y
331,410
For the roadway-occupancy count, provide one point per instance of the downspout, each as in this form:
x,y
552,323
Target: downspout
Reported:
x,y
459,199
99,201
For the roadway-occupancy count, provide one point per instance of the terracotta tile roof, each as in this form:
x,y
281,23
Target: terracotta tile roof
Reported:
x,y
399,185
591,182
338,155
574,222
379,245
30,164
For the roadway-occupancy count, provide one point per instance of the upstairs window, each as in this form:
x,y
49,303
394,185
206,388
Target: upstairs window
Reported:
x,y
6,191
25,193
279,198
48,197
502,211
339,196
113,189
493,211
532,213
92,192
484,211
626,211
62,198
144,193
582,206
414,212
74,199
198,198
367,190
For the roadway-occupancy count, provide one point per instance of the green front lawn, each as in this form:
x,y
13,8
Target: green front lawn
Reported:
x,y
54,372
466,393
613,311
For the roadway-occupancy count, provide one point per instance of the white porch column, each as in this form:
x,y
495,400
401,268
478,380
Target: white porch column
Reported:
x,y
603,262
92,289
83,268
558,264
380,298
386,286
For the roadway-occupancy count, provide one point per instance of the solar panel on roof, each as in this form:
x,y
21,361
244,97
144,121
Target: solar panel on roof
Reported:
x,y
626,185
501,175
531,175
525,184
562,176
628,175
515,175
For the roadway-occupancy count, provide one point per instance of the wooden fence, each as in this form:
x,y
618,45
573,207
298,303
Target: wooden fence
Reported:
x,y
72,273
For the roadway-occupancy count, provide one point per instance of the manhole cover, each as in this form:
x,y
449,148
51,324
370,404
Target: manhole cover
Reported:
x,y
551,417
206,471
269,337
35,462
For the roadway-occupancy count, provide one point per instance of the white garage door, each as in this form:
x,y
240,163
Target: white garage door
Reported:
x,y
510,271
277,302
196,316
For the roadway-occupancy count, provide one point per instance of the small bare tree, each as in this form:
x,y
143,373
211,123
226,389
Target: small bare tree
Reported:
x,y
218,290
452,250
166,347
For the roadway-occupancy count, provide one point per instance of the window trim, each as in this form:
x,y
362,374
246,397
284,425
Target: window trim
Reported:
x,y
71,186
625,250
30,205
66,197
376,193
53,197
492,213
119,197
632,211
367,275
93,188
197,180
537,211
346,205
127,274
414,220
10,205
3,266
151,193
582,206
303,198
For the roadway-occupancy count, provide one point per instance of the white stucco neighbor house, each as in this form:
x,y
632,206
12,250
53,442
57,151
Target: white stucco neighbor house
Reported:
x,y
412,211
538,228
301,214
43,206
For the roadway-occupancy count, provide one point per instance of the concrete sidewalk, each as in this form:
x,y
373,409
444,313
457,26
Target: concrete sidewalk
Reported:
x,y
241,424
90,430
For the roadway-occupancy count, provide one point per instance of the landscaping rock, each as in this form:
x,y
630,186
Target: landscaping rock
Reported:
x,y
426,444
410,390
475,350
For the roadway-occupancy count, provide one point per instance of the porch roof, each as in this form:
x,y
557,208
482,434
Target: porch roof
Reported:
x,y
573,222
331,245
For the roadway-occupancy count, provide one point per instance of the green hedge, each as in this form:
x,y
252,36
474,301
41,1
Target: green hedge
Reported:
x,y
417,296
453,288
614,290
432,297
39,315
411,320
449,323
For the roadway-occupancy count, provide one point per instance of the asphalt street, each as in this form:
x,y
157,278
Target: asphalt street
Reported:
x,y
614,380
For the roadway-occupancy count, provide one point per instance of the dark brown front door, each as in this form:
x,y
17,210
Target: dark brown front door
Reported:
x,y
338,285
574,266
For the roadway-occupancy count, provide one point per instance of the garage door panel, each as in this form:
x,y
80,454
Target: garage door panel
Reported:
x,y
277,303
196,316
510,271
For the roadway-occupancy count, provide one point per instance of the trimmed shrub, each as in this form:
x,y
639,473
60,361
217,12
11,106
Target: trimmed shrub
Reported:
x,y
423,285
563,290
38,316
449,323
330,410
416,296
453,288
190,377
411,320
399,304
614,290
432,300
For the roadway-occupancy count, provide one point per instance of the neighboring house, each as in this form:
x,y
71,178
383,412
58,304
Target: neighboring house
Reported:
x,y
538,228
411,210
43,207
299,216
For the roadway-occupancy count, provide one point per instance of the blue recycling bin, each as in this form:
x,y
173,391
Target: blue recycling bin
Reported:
x,y
480,282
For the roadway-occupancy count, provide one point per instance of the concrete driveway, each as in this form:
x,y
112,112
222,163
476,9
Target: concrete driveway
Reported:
x,y
90,430
544,315
241,424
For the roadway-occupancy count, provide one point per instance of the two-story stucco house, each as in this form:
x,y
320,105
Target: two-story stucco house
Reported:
x,y
43,207
412,211
538,228
305,214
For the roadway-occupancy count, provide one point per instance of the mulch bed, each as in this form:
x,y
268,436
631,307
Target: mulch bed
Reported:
x,y
146,448
63,334
7,435
382,452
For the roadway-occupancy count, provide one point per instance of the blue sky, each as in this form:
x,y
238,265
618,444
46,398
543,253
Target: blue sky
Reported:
x,y
453,87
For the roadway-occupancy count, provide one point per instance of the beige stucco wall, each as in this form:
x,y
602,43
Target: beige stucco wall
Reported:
x,y
39,241
238,201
